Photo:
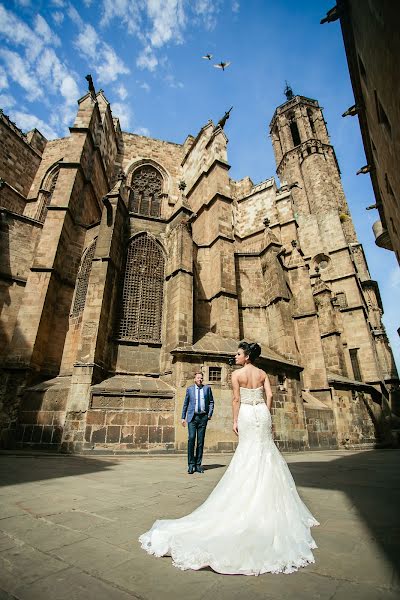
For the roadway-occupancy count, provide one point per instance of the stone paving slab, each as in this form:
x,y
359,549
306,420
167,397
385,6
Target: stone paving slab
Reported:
x,y
69,527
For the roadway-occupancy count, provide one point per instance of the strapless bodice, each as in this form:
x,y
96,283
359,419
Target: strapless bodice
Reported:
x,y
251,395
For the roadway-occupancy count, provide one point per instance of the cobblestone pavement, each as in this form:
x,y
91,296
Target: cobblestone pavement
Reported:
x,y
69,528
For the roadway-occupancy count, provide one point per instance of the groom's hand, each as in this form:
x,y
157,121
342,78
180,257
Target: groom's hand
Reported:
x,y
183,423
235,427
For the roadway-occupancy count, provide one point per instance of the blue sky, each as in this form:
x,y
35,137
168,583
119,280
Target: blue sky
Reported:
x,y
146,55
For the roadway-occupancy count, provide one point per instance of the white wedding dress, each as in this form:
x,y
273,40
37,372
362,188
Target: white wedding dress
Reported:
x,y
253,521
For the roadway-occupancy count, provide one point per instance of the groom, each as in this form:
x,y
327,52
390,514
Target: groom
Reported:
x,y
197,410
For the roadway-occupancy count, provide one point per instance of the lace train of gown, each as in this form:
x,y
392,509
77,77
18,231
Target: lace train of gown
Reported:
x,y
253,521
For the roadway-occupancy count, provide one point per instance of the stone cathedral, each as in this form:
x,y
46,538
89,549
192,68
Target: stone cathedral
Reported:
x,y
127,263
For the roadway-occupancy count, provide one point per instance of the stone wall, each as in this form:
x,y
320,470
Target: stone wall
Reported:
x,y
18,241
130,422
19,160
321,427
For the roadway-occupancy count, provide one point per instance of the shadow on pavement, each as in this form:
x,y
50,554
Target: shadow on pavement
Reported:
x,y
42,467
216,466
371,482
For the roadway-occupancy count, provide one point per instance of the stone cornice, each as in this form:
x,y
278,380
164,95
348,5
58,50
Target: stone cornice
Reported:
x,y
203,174
19,217
177,272
12,278
216,239
212,200
218,294
301,147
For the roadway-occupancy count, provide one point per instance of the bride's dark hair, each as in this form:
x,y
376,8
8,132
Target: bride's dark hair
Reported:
x,y
253,351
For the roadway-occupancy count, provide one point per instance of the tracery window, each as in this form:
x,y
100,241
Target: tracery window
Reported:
x,y
46,196
82,281
142,292
146,187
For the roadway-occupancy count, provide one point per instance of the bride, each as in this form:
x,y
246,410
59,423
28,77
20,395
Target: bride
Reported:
x,y
253,521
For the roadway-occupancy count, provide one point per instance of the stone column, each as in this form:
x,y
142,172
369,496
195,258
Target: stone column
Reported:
x,y
93,358
179,283
330,332
307,332
278,309
43,317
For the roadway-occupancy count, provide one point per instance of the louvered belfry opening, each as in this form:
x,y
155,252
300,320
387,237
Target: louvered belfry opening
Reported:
x,y
142,292
83,280
146,187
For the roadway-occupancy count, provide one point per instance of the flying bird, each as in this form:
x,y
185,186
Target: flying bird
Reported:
x,y
222,65
207,56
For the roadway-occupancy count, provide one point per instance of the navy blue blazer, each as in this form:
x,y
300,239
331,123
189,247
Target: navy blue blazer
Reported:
x,y
189,403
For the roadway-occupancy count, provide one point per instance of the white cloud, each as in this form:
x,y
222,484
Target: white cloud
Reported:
x,y
18,33
147,59
112,66
101,56
87,42
122,92
235,6
27,122
124,114
44,31
128,12
6,101
142,131
3,79
37,69
19,71
58,17
207,11
74,16
159,22
58,3
51,71
168,20
172,82
145,86
87,3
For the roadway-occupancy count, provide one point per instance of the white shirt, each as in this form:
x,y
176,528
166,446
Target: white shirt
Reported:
x,y
202,407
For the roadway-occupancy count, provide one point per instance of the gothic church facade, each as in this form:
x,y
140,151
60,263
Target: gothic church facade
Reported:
x,y
127,263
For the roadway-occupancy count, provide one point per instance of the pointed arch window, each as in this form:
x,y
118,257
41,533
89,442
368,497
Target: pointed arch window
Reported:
x,y
46,194
311,121
82,281
142,291
294,130
146,189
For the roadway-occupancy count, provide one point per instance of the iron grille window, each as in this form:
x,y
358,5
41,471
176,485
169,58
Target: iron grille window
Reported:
x,y
47,195
83,280
146,187
355,364
214,373
142,292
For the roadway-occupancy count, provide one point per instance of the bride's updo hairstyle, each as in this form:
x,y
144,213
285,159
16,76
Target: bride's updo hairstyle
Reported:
x,y
253,351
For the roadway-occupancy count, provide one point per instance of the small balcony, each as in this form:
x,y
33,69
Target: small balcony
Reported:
x,y
382,238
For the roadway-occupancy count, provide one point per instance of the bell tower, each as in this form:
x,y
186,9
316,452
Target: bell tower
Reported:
x,y
306,162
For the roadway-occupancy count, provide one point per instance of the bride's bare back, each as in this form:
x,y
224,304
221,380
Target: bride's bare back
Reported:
x,y
251,377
